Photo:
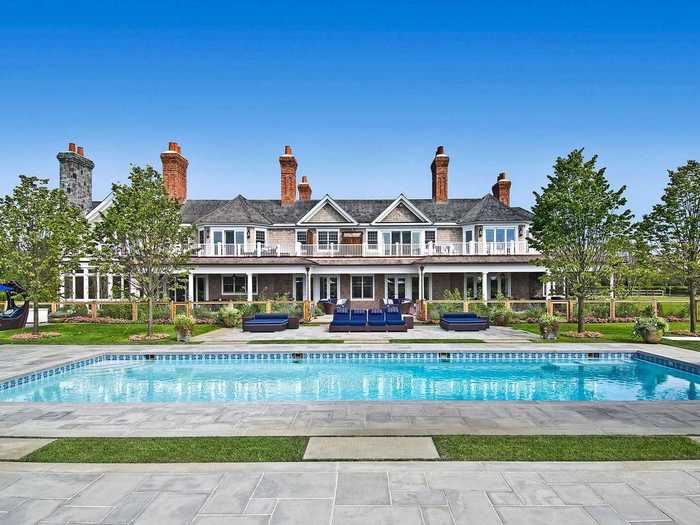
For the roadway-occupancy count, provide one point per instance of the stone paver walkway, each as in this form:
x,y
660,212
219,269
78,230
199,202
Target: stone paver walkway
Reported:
x,y
352,448
420,493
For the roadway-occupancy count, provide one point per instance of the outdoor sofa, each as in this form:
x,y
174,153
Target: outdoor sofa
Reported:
x,y
463,322
376,320
275,322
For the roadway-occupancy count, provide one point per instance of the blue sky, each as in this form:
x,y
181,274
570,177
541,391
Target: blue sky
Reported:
x,y
363,91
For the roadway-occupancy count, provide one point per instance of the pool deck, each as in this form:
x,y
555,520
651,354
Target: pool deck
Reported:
x,y
354,493
344,418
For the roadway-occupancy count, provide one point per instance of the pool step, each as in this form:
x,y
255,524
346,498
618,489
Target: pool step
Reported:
x,y
350,448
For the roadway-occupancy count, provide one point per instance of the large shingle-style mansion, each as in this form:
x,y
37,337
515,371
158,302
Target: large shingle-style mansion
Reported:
x,y
360,249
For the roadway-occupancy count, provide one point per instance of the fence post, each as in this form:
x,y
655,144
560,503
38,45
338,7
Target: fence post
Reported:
x,y
188,308
465,306
466,309
550,307
173,312
569,310
268,307
507,305
612,309
654,308
134,312
93,311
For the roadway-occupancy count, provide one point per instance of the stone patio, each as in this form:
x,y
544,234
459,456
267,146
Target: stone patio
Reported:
x,y
420,493
351,418
502,334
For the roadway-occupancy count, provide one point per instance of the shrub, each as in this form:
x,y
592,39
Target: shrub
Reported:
x,y
649,324
229,316
184,324
161,312
115,311
499,314
549,326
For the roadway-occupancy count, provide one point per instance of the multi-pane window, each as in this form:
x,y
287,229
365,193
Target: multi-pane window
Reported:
x,y
259,236
362,287
372,238
327,237
499,234
237,284
202,237
301,236
429,237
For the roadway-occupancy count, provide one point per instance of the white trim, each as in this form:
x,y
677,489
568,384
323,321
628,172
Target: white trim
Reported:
x,y
353,298
401,199
234,275
320,205
95,213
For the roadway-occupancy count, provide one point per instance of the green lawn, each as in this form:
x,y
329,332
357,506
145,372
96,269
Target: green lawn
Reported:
x,y
450,448
612,332
566,448
171,450
86,333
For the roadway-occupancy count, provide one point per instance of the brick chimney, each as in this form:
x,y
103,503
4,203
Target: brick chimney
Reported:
x,y
175,172
501,190
439,171
288,177
304,189
75,176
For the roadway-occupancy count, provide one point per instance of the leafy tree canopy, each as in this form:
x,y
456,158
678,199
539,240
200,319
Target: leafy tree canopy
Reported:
x,y
580,226
41,237
140,236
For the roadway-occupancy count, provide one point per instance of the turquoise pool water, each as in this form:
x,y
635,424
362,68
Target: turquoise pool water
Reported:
x,y
366,380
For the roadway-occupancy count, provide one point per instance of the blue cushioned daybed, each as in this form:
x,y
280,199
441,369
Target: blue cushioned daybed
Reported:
x,y
463,322
266,323
376,321
394,320
355,321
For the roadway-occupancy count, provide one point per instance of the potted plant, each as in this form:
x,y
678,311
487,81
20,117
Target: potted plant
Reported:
x,y
183,328
650,329
500,315
549,327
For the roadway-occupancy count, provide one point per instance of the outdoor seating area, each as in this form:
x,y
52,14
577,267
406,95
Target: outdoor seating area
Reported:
x,y
329,305
274,322
463,322
387,319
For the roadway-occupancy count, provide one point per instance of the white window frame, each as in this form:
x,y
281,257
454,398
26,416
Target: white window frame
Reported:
x,y
264,232
245,276
223,230
363,276
318,239
323,294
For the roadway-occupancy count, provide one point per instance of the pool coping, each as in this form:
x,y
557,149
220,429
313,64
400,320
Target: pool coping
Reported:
x,y
466,354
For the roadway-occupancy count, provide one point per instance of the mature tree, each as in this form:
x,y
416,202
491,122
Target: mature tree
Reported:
x,y
140,236
41,237
580,226
673,230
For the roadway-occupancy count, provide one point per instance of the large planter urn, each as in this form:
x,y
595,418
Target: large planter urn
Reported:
x,y
183,336
549,332
653,337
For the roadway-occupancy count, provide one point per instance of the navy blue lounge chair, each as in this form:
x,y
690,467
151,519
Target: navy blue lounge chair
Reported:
x,y
394,321
376,321
355,321
14,316
266,323
463,322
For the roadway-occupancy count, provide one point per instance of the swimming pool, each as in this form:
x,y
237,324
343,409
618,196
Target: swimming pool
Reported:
x,y
347,377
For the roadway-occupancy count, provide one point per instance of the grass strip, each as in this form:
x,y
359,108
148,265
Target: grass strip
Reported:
x,y
296,342
611,332
99,334
566,448
435,341
170,450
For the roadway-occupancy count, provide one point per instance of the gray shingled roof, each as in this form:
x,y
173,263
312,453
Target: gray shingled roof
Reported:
x,y
263,211
269,211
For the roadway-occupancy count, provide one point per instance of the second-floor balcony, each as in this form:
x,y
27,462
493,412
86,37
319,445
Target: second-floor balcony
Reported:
x,y
364,250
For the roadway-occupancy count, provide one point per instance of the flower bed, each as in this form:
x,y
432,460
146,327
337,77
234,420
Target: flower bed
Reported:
x,y
26,336
137,338
583,335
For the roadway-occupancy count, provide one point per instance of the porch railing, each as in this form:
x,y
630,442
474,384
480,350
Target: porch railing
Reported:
x,y
364,250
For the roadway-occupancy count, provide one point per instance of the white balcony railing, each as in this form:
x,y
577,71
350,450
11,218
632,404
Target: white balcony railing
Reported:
x,y
364,250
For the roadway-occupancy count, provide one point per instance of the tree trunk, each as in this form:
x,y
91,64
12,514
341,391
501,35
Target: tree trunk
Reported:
x,y
693,307
580,314
35,326
150,316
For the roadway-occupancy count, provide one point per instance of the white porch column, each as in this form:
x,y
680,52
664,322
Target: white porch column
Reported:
x,y
190,286
485,286
110,285
307,282
421,291
86,280
612,285
249,287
